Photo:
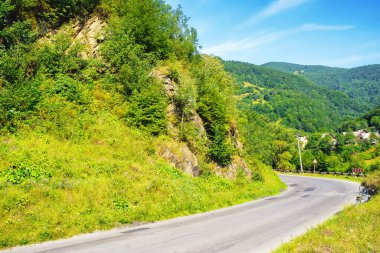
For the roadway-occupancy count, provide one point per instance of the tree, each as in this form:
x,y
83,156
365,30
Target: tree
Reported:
x,y
326,144
284,161
375,122
215,106
350,138
147,110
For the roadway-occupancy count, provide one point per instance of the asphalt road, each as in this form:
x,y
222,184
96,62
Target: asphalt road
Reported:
x,y
257,226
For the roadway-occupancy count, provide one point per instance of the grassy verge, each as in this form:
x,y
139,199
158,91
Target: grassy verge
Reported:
x,y
356,229
342,177
52,188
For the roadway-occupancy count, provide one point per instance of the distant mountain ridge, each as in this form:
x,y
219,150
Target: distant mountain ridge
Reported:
x,y
296,101
360,83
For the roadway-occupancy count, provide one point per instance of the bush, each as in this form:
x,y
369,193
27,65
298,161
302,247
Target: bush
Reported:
x,y
147,110
17,102
372,182
20,172
221,150
374,167
16,34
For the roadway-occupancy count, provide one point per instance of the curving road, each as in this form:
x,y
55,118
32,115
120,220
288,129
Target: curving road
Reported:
x,y
257,226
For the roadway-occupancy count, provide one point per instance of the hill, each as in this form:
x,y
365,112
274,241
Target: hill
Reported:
x,y
294,100
369,120
361,83
109,116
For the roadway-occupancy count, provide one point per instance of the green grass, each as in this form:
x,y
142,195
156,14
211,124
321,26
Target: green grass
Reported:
x,y
54,188
356,230
341,177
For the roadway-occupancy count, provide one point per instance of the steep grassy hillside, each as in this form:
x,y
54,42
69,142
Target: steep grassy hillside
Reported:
x,y
297,102
110,116
355,229
361,83
53,188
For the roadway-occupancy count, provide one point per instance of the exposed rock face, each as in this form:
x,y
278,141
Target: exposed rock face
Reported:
x,y
171,88
234,135
184,160
231,170
198,122
91,35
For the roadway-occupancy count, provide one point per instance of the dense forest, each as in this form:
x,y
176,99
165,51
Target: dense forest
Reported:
x,y
277,106
361,83
295,101
369,121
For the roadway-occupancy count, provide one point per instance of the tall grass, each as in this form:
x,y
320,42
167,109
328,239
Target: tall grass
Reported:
x,y
354,230
110,178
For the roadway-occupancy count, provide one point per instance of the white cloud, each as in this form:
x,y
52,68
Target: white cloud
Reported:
x,y
273,9
249,43
316,27
256,41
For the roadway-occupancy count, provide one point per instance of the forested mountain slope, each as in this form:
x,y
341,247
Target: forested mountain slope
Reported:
x,y
109,115
361,84
297,102
369,120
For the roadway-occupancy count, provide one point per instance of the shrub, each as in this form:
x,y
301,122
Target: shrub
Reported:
x,y
20,172
147,110
374,167
372,182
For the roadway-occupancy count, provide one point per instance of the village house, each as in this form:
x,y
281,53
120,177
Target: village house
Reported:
x,y
303,141
333,139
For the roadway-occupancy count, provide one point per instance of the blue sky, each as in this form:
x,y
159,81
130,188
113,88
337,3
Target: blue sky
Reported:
x,y
343,33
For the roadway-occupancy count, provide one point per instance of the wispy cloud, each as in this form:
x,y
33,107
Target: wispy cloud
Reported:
x,y
249,43
349,61
254,42
316,27
276,7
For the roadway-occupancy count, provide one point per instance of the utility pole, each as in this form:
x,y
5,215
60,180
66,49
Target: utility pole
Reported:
x,y
299,152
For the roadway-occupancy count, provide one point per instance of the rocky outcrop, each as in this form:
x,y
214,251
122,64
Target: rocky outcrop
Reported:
x,y
90,34
234,135
182,159
170,88
198,122
231,170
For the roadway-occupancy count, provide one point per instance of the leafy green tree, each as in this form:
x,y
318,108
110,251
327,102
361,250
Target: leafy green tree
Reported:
x,y
5,10
322,160
350,138
325,144
284,161
221,149
147,110
153,26
340,142
375,122
17,33
313,143
215,106
307,160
